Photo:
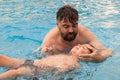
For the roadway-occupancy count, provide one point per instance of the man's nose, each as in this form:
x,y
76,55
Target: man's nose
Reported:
x,y
71,29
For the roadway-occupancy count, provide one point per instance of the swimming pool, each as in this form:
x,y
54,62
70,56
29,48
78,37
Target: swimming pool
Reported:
x,y
24,23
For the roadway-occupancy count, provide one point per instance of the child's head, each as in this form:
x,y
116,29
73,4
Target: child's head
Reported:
x,y
80,49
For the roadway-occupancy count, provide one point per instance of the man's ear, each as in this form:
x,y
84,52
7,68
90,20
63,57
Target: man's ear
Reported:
x,y
57,22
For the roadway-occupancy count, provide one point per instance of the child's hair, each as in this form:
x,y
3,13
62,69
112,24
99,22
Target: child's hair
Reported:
x,y
85,51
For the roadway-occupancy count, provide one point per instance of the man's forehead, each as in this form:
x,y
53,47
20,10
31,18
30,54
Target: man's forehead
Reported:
x,y
67,21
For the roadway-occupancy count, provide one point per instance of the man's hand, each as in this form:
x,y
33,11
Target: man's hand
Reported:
x,y
96,55
93,57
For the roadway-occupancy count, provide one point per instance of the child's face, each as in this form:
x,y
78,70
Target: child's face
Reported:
x,y
80,49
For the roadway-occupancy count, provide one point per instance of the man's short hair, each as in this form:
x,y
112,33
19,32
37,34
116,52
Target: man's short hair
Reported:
x,y
67,13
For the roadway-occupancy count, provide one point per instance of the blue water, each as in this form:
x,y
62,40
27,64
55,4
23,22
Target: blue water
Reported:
x,y
24,23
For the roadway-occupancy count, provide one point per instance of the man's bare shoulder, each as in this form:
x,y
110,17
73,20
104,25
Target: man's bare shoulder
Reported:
x,y
52,34
83,28
85,34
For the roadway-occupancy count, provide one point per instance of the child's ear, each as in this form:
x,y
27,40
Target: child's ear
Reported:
x,y
70,53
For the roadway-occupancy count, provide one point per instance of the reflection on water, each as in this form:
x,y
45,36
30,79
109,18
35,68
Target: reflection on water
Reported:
x,y
27,10
24,23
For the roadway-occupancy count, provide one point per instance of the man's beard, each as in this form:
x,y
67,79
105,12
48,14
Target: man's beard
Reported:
x,y
69,36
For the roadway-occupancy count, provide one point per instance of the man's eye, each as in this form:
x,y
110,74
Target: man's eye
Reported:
x,y
65,26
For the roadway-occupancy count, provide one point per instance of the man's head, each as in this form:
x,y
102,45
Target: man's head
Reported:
x,y
67,22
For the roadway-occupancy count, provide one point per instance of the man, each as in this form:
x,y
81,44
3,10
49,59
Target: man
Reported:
x,y
69,33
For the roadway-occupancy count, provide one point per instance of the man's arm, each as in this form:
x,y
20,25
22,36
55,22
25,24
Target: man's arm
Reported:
x,y
99,51
47,42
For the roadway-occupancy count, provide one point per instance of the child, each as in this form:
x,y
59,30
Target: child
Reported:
x,y
59,63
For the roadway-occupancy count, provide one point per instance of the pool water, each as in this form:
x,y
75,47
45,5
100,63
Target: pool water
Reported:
x,y
24,24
